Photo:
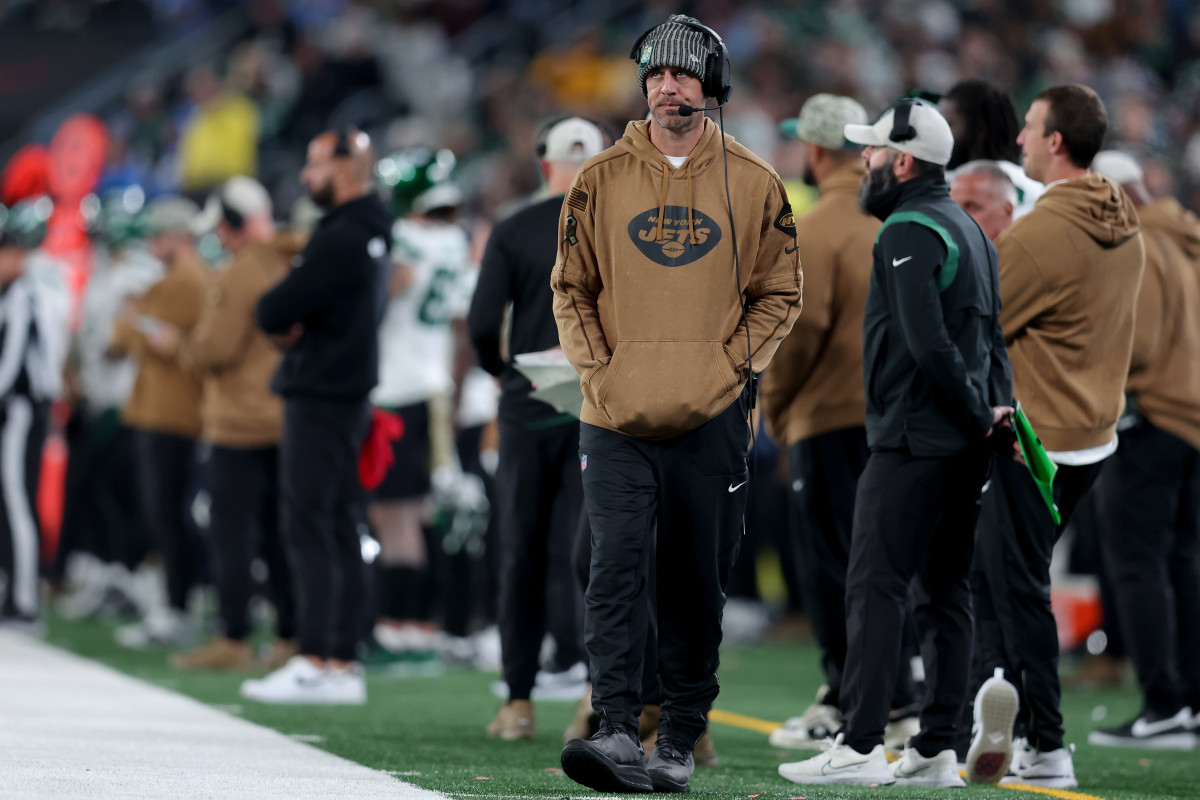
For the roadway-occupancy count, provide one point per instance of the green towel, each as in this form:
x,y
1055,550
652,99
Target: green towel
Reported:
x,y
1041,468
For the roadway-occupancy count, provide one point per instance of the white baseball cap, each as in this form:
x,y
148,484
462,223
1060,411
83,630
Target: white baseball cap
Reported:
x,y
574,139
1118,167
929,139
239,198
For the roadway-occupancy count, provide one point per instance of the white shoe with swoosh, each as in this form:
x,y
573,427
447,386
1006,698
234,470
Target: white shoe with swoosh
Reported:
x,y
841,764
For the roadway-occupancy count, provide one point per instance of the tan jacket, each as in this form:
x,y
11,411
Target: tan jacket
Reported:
x,y
1069,276
234,356
166,395
815,384
645,290
1165,370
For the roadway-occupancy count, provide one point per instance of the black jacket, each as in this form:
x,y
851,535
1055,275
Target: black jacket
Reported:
x,y
516,268
337,291
934,361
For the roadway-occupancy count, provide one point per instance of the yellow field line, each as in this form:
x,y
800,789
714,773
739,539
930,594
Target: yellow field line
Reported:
x,y
766,726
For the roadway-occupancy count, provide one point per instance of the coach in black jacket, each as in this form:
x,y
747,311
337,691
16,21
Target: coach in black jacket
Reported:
x,y
538,486
937,379
326,315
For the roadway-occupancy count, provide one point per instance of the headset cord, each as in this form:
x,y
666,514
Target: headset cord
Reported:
x,y
744,302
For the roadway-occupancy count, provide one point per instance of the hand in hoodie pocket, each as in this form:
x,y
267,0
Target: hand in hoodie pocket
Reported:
x,y
657,389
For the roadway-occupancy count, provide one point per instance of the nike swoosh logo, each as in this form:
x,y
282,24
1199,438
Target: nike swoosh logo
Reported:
x,y
790,250
826,768
898,261
1143,728
733,488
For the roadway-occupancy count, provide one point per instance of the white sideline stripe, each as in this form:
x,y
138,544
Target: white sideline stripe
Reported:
x,y
71,728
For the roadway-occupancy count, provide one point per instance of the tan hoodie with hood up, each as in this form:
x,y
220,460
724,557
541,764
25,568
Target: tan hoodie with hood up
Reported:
x,y
645,288
1165,371
1069,276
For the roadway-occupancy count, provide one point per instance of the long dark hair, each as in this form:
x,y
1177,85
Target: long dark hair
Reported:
x,y
991,123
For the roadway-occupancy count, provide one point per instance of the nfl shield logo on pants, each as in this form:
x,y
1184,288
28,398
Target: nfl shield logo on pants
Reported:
x,y
583,462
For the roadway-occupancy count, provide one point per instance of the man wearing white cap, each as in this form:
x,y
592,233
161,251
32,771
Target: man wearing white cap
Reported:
x,y
243,422
814,405
538,489
937,380
1149,491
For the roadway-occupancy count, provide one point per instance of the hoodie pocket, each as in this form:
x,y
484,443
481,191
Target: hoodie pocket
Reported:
x,y
658,389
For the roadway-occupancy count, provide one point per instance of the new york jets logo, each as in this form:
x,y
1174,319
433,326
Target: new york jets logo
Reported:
x,y
676,249
647,51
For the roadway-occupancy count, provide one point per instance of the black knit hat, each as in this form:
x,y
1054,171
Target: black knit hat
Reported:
x,y
673,44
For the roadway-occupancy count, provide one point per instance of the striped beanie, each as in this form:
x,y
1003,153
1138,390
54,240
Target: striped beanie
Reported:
x,y
673,45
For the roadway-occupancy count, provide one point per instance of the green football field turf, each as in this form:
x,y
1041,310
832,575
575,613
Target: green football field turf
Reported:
x,y
430,731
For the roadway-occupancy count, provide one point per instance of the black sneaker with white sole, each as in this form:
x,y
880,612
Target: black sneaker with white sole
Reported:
x,y
610,761
1150,731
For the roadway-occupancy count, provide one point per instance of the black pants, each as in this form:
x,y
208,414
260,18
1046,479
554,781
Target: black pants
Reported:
x,y
1149,495
244,494
694,488
22,434
824,472
165,463
322,508
652,692
913,517
1015,628
540,500
100,504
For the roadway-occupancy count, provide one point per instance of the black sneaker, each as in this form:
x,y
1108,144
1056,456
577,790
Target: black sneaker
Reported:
x,y
610,761
670,766
1150,730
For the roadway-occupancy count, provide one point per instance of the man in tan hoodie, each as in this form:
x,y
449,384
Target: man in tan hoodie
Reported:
x,y
654,265
164,411
1069,276
1149,492
243,422
814,404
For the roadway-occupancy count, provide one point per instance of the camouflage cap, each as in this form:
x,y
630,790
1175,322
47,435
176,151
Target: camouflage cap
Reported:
x,y
823,119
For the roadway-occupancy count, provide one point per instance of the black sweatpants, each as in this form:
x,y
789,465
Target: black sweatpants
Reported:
x,y
694,488
101,513
322,506
165,463
22,434
1149,495
244,494
652,692
1015,627
913,517
540,501
824,472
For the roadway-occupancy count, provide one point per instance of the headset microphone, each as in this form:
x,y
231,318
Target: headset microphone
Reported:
x,y
687,111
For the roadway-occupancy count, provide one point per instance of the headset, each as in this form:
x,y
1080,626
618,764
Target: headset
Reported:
x,y
341,145
716,80
902,127
233,218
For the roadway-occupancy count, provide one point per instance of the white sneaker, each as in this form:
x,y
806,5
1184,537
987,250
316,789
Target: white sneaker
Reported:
x,y
991,751
1054,769
898,732
570,685
300,682
914,769
809,731
162,627
841,764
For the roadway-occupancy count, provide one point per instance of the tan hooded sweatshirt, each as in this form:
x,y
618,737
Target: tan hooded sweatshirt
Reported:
x,y
234,356
1069,276
815,383
1165,369
645,288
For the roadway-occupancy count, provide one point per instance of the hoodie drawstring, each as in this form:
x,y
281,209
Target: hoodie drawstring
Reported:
x,y
662,206
691,222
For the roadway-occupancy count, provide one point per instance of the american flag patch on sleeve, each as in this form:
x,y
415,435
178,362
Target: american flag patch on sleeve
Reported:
x,y
577,200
